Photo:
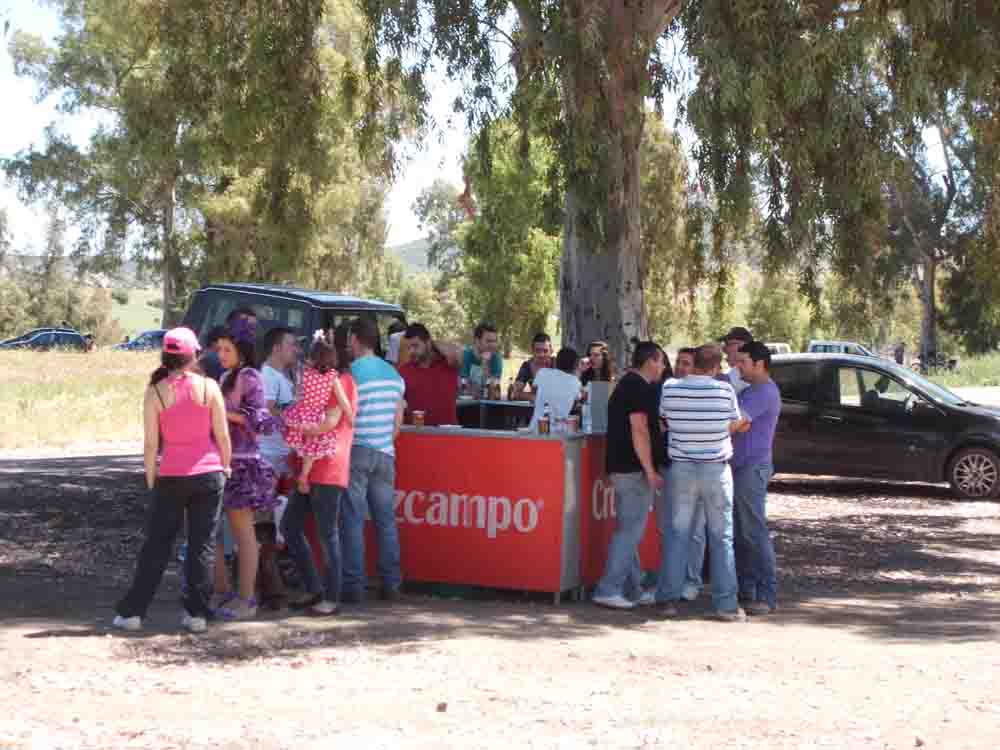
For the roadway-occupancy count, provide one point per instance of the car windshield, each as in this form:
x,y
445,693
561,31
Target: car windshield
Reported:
x,y
935,391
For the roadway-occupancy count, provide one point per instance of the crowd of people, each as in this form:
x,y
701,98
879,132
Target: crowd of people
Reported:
x,y
226,441
696,445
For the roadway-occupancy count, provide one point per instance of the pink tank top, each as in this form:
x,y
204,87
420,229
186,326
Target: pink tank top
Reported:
x,y
188,447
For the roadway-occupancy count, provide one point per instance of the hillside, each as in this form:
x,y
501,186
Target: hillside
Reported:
x,y
413,254
126,275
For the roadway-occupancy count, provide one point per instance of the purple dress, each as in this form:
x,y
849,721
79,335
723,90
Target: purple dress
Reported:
x,y
252,483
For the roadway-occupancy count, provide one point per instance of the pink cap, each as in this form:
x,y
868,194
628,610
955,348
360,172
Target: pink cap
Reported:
x,y
180,341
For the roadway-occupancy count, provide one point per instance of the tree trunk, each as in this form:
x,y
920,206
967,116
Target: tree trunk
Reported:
x,y
928,316
601,286
171,265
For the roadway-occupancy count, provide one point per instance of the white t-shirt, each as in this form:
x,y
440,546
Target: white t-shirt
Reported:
x,y
278,388
394,341
736,381
556,388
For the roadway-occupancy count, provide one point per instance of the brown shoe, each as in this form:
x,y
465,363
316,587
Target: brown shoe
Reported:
x,y
391,595
759,608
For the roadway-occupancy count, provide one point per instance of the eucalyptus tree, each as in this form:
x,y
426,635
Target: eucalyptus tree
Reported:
x,y
200,98
775,103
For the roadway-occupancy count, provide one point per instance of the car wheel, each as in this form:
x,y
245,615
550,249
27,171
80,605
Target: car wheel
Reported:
x,y
975,473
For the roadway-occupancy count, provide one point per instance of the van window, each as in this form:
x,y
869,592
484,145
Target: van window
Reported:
x,y
332,319
270,313
795,380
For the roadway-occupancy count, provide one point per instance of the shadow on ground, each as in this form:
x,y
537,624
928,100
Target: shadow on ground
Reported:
x,y
901,563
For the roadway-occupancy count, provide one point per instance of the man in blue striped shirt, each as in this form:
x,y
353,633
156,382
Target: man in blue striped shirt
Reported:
x,y
373,466
701,413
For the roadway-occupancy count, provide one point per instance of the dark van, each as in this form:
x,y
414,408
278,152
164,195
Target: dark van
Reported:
x,y
302,310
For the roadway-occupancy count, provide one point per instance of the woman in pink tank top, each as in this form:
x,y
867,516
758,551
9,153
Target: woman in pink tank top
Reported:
x,y
184,416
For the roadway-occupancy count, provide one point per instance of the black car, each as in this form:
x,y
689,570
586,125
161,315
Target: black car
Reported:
x,y
10,343
302,310
844,415
145,342
48,339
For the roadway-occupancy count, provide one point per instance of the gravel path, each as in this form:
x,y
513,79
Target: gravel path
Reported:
x,y
887,638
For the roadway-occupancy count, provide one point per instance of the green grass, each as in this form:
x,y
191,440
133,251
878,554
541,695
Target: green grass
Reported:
x,y
137,316
983,370
57,399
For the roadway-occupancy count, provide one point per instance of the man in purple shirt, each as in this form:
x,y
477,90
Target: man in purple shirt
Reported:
x,y
753,466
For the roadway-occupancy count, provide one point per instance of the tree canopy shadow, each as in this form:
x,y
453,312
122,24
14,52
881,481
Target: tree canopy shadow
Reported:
x,y
70,529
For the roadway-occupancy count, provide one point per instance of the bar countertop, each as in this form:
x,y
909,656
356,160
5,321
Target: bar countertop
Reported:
x,y
504,434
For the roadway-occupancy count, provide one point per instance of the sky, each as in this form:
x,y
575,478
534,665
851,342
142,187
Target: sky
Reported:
x,y
26,119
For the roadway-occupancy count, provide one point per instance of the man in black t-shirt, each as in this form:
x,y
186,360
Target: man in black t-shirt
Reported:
x,y
634,455
541,357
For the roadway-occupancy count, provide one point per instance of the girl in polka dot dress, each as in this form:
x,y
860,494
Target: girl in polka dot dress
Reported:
x,y
310,410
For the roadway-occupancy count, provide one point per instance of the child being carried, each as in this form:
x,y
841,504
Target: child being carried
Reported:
x,y
308,429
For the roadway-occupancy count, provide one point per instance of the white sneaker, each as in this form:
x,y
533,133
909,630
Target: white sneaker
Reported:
x,y
323,608
613,602
127,623
193,624
690,592
647,598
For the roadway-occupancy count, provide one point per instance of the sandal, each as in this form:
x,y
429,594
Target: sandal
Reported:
x,y
238,609
220,600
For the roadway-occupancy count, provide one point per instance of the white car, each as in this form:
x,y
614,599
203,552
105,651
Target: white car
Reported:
x,y
838,347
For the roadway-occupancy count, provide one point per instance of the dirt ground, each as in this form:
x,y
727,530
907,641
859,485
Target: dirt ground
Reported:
x,y
887,637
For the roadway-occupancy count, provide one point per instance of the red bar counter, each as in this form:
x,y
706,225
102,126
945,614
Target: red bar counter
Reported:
x,y
504,509
488,508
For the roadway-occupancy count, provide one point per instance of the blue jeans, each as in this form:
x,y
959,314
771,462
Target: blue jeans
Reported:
x,y
690,485
372,491
324,501
755,564
696,547
623,573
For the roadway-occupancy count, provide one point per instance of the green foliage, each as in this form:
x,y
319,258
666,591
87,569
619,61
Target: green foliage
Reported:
x,y
778,312
672,257
57,294
438,309
506,246
439,212
119,296
971,293
229,150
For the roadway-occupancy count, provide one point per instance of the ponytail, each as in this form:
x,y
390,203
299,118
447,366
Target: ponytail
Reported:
x,y
169,362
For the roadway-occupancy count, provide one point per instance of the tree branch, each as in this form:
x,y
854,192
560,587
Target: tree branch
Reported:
x,y
534,28
917,166
656,18
947,143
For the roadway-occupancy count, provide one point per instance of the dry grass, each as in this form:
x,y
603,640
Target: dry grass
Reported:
x,y
61,399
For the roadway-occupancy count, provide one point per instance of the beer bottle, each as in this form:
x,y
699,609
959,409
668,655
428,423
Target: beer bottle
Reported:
x,y
545,421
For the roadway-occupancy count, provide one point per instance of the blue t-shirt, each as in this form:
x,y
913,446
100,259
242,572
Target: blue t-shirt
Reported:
x,y
380,390
472,366
762,405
